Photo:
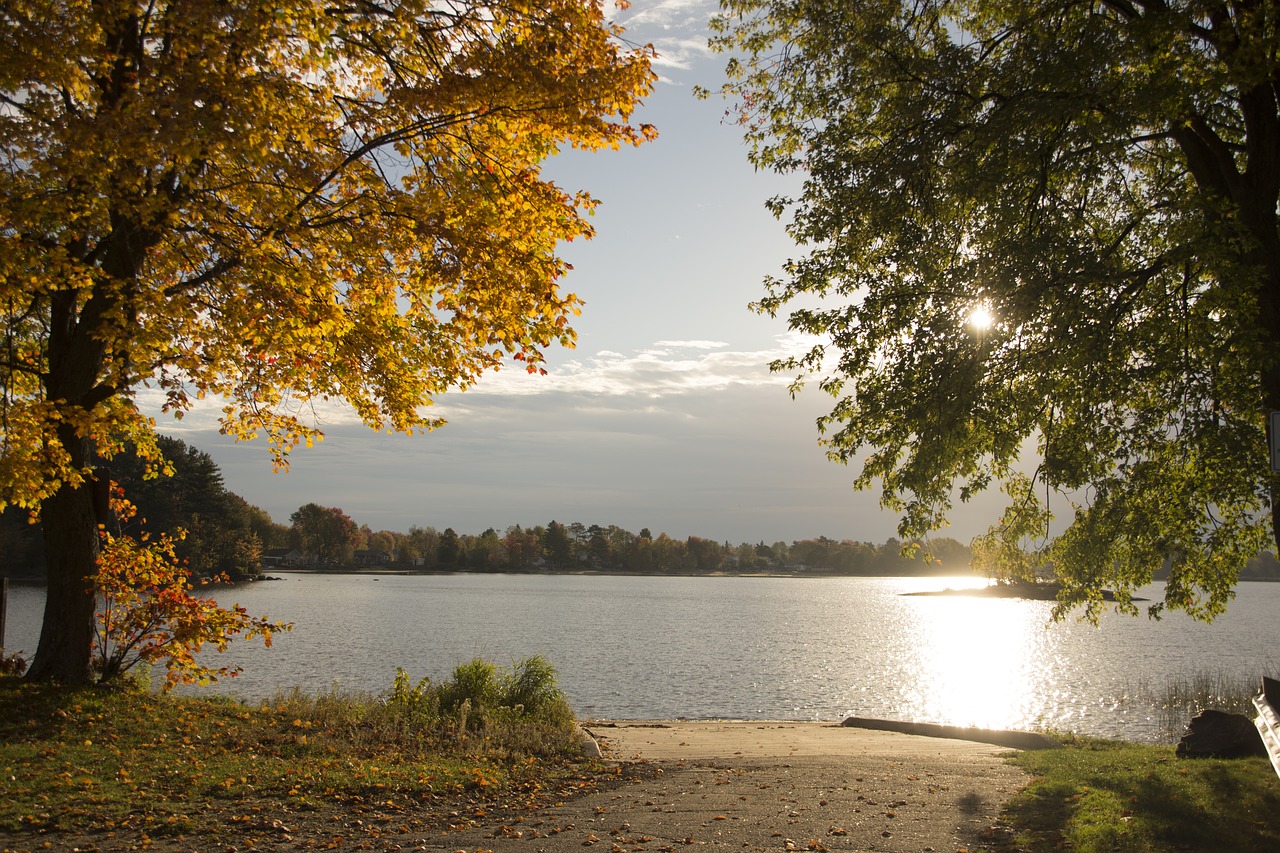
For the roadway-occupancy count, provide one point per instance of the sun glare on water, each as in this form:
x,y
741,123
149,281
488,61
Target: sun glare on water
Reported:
x,y
977,661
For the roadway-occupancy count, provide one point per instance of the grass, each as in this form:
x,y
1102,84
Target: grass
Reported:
x,y
1112,796
126,769
122,768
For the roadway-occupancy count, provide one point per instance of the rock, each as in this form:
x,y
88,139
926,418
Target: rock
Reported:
x,y
590,747
1217,734
1012,739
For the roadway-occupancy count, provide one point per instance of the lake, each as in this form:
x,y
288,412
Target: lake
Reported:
x,y
749,648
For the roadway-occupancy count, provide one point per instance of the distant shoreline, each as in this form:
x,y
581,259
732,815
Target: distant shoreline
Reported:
x,y
403,571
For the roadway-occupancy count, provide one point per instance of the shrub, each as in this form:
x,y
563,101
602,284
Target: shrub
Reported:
x,y
14,664
520,709
149,614
474,683
419,704
530,684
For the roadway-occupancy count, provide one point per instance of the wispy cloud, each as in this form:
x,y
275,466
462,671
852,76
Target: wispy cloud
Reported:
x,y
680,53
676,28
663,369
692,344
670,14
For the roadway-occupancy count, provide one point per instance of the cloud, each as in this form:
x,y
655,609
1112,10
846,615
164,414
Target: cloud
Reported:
x,y
676,28
664,369
680,53
692,344
690,437
670,14
737,463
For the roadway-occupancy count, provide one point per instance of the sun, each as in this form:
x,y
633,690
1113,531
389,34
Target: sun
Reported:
x,y
981,318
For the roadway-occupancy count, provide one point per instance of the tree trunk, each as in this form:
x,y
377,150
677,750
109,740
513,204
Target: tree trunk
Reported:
x,y
71,540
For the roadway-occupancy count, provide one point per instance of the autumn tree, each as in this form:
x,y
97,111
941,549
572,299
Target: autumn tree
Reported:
x,y
704,555
383,542
420,546
1036,230
522,547
284,205
326,534
150,612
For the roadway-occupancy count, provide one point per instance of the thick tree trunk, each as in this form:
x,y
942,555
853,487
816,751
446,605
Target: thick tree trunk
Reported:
x,y
71,547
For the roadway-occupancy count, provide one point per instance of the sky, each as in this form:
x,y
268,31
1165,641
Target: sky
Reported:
x,y
665,415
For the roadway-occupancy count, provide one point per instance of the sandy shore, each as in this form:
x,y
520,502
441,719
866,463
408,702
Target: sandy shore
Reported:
x,y
774,786
666,740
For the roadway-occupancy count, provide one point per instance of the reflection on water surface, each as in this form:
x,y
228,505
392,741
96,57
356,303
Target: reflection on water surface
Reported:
x,y
752,648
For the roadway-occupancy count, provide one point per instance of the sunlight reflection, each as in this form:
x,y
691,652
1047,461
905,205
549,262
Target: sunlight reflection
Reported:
x,y
981,662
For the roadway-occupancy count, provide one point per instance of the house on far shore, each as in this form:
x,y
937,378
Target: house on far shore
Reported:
x,y
280,558
372,558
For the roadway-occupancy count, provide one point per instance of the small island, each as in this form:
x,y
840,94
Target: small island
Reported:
x,y
1027,590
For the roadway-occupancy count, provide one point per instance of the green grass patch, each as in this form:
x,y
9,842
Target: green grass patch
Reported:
x,y
1098,795
108,766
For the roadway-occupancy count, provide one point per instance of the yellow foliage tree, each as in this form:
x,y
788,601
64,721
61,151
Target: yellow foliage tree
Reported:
x,y
275,203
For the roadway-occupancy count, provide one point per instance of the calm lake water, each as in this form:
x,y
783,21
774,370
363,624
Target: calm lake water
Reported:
x,y
750,648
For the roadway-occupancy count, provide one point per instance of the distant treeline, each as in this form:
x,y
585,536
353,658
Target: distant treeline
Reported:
x,y
579,547
227,534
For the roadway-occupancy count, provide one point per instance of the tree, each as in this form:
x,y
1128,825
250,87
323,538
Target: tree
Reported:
x,y
486,552
279,204
449,549
557,547
705,555
224,533
522,547
149,614
269,533
1037,229
191,494
418,546
326,534
384,541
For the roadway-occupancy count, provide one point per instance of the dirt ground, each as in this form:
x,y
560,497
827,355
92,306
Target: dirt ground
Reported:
x,y
684,786
755,786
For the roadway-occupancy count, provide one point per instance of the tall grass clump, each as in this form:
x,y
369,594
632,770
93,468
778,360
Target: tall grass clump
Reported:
x,y
516,711
1177,699
520,709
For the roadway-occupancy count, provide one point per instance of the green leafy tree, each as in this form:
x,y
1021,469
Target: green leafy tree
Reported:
x,y
276,204
1043,227
486,552
224,534
557,547
326,534
269,532
449,550
190,494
